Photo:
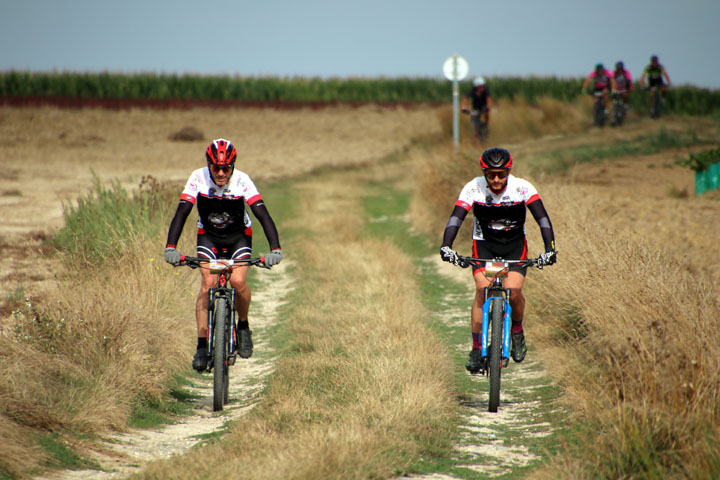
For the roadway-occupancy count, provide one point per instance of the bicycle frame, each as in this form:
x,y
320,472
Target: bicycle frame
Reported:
x,y
497,270
223,290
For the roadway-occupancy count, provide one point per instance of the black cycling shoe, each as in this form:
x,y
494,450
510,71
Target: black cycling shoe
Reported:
x,y
245,345
200,360
474,364
518,349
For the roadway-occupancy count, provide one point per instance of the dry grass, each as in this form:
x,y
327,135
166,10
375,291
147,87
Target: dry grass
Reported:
x,y
77,361
516,120
364,388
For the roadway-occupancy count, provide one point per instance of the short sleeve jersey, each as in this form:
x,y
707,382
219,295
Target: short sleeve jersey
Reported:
x,y
221,210
498,218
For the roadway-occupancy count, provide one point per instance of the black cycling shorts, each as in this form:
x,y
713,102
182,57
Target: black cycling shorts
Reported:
x,y
516,250
238,246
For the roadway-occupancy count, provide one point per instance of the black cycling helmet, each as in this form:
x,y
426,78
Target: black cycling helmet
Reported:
x,y
619,66
599,66
221,153
654,58
496,158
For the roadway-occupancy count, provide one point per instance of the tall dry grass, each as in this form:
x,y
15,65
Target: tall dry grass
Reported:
x,y
77,362
517,120
362,391
634,317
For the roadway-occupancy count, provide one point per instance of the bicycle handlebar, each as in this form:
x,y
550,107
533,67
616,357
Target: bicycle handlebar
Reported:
x,y
223,263
528,262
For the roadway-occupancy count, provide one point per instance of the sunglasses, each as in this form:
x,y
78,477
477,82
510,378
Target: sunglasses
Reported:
x,y
496,174
218,168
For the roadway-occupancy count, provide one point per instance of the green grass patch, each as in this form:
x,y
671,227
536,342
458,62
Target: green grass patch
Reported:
x,y
62,454
149,412
108,217
559,161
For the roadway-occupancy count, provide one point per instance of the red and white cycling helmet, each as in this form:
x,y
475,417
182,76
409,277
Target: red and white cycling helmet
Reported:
x,y
221,153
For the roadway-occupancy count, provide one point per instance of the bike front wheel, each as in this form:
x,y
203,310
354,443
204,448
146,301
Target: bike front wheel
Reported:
x,y
220,367
495,354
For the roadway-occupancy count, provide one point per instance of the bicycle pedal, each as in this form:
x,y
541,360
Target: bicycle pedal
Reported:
x,y
505,362
231,360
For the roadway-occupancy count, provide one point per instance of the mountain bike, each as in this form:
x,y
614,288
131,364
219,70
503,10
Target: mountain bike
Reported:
x,y
221,328
599,111
495,334
619,109
480,129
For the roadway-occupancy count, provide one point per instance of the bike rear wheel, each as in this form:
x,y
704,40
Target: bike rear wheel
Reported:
x,y
497,311
220,367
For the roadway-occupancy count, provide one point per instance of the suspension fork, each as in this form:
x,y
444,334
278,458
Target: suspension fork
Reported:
x,y
507,320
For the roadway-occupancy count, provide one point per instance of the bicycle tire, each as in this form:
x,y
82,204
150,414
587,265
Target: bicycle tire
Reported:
x,y
497,313
658,103
226,385
219,364
599,113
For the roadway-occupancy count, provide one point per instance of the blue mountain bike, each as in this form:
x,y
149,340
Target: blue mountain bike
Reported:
x,y
495,336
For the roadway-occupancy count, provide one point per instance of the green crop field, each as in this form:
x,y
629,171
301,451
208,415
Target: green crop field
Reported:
x,y
681,99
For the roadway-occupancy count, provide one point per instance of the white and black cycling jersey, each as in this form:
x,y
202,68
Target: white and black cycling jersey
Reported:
x,y
499,217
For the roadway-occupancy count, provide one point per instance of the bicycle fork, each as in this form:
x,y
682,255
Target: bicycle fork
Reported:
x,y
507,322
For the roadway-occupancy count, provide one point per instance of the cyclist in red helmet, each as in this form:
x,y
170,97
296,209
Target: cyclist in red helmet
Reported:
x,y
224,231
498,201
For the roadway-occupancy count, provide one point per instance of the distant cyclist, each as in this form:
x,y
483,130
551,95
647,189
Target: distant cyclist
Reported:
x,y
498,201
655,73
478,102
224,231
623,81
603,82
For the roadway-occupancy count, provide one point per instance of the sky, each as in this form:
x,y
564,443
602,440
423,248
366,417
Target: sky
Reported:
x,y
368,38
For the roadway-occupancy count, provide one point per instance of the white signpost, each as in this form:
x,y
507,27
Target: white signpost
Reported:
x,y
455,69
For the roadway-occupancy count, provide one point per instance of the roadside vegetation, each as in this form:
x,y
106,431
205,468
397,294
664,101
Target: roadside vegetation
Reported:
x,y
94,354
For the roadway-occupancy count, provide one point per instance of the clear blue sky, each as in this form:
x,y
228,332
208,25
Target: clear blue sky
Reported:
x,y
335,38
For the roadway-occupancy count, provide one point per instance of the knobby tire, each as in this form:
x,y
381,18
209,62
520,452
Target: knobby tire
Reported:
x,y
220,368
495,354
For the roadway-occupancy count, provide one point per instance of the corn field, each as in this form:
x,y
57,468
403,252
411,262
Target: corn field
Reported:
x,y
681,99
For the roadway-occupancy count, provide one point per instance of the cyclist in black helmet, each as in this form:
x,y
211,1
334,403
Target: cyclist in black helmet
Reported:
x,y
498,201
